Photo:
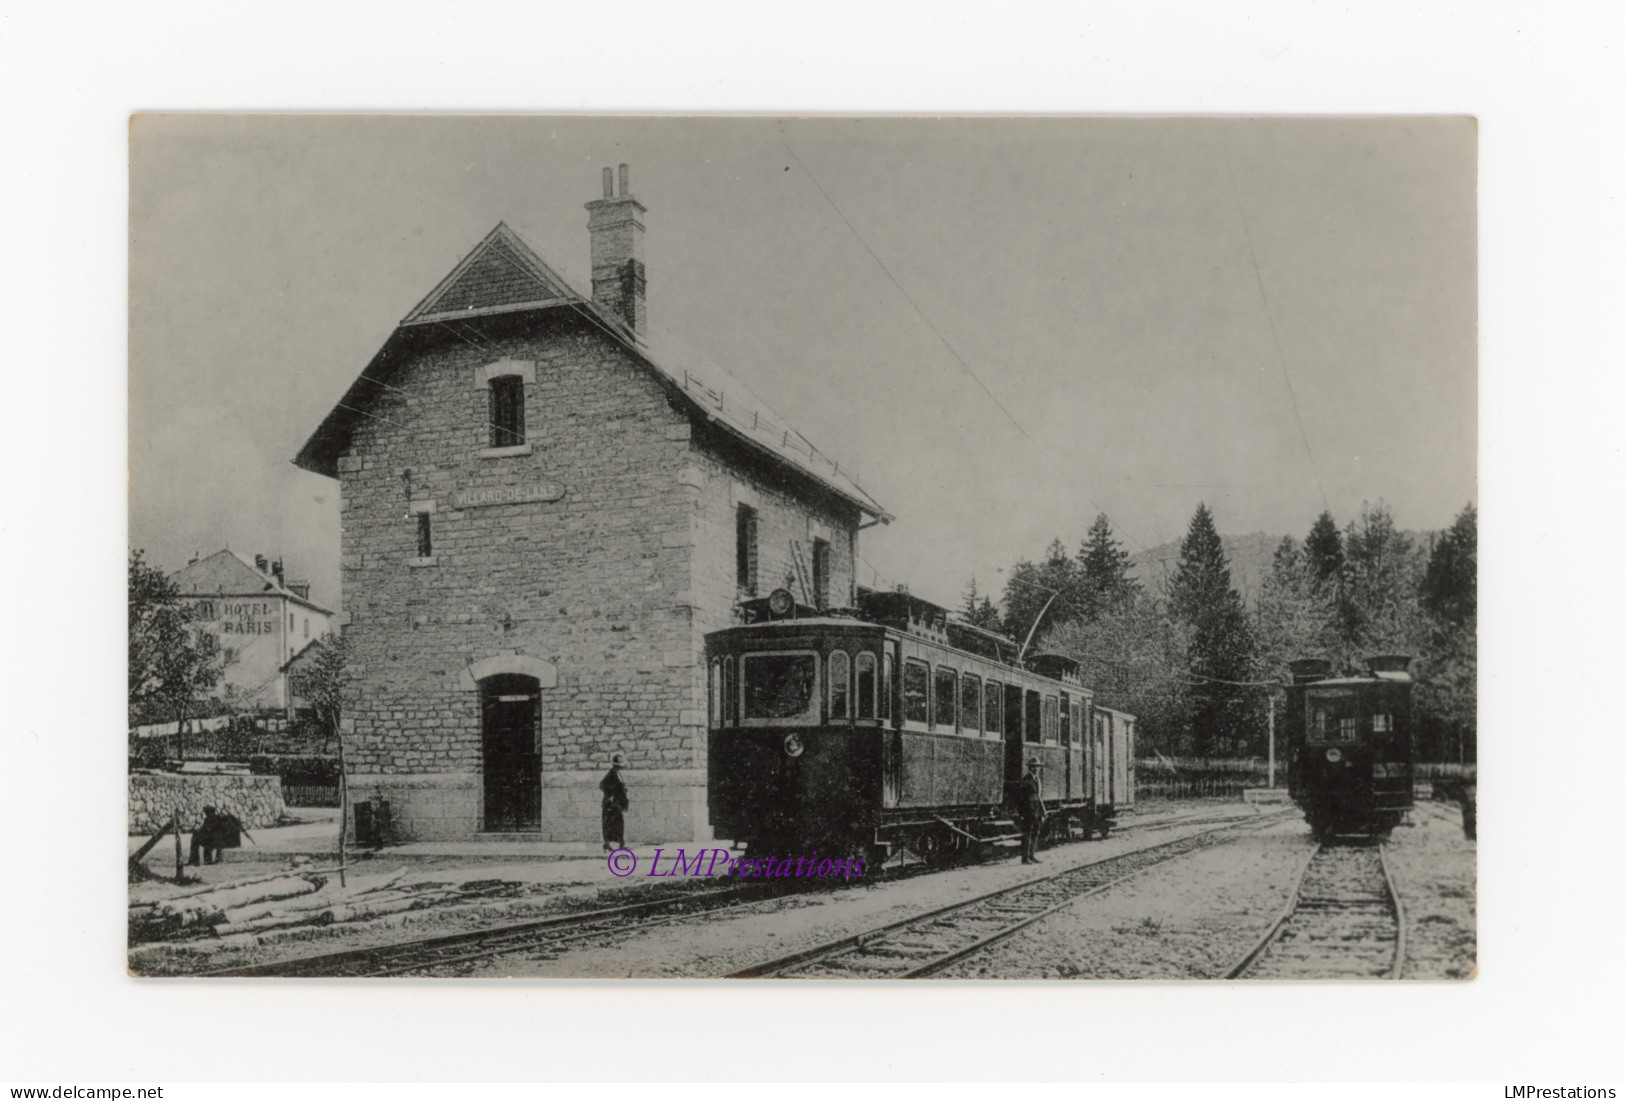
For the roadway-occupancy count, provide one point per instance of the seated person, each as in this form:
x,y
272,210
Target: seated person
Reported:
x,y
218,832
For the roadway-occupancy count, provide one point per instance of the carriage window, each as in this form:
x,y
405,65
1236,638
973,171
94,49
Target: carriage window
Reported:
x,y
866,685
840,685
995,707
970,702
1052,724
947,691
916,686
730,695
779,686
716,692
885,686
1034,715
1382,724
1333,718
1066,718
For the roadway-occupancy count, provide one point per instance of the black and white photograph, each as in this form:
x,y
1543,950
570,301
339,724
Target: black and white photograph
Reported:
x,y
776,547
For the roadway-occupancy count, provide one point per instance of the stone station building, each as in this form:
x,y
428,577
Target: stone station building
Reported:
x,y
540,522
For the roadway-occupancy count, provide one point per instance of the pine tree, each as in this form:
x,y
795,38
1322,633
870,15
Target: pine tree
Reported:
x,y
1450,585
1323,548
1220,649
1027,593
978,610
1103,568
1382,573
1448,594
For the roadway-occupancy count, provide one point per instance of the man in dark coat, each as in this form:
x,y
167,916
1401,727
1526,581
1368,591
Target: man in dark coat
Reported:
x,y
218,832
614,806
1030,809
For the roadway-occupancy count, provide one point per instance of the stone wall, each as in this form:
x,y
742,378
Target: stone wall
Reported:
x,y
154,796
611,581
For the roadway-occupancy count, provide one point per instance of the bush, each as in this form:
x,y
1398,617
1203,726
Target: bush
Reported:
x,y
297,771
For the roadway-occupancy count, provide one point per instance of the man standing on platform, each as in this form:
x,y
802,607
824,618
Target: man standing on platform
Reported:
x,y
614,806
1030,807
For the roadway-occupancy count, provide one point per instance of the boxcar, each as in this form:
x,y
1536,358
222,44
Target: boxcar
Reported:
x,y
892,728
1350,764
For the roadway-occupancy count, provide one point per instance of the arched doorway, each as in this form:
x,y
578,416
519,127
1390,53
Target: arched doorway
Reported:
x,y
510,723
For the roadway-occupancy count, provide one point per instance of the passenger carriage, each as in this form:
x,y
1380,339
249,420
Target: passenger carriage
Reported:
x,y
895,728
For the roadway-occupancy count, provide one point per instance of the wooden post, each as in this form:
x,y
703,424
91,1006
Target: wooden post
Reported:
x,y
344,807
180,864
1272,738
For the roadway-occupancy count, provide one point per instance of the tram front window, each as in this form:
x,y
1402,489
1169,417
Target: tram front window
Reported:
x,y
780,686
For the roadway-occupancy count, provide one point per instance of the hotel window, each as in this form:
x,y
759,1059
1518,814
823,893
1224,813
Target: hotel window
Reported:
x,y
425,535
507,411
745,549
716,692
866,685
886,675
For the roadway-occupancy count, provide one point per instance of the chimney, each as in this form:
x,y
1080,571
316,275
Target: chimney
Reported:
x,y
260,563
615,226
276,570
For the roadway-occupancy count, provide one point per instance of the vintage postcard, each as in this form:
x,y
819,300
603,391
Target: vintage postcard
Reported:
x,y
844,548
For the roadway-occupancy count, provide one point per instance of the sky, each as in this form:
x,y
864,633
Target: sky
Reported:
x,y
1002,326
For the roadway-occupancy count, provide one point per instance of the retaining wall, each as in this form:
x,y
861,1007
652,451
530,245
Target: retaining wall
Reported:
x,y
154,796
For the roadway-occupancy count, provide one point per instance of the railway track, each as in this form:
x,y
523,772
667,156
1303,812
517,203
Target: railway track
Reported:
x,y
1343,921
453,949
928,943
538,936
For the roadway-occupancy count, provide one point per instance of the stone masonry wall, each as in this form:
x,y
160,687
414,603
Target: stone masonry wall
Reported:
x,y
154,796
594,583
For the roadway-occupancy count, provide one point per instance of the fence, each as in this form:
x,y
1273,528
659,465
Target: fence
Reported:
x,y
1200,777
1174,778
310,795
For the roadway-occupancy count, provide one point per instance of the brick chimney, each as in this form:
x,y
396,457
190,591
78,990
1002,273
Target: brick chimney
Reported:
x,y
614,225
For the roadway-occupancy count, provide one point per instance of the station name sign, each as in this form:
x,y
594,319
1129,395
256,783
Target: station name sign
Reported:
x,y
506,495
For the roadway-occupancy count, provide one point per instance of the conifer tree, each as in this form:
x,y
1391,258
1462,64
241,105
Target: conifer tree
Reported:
x,y
1323,549
1103,571
1220,648
1450,585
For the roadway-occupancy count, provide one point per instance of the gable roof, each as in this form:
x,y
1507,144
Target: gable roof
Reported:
x,y
500,275
227,573
504,275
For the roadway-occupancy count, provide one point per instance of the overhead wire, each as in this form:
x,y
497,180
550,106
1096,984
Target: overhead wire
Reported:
x,y
1275,339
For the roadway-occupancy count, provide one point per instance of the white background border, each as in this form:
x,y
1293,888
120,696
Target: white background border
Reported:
x,y
1545,83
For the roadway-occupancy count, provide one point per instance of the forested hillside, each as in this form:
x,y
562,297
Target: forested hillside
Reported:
x,y
1194,637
